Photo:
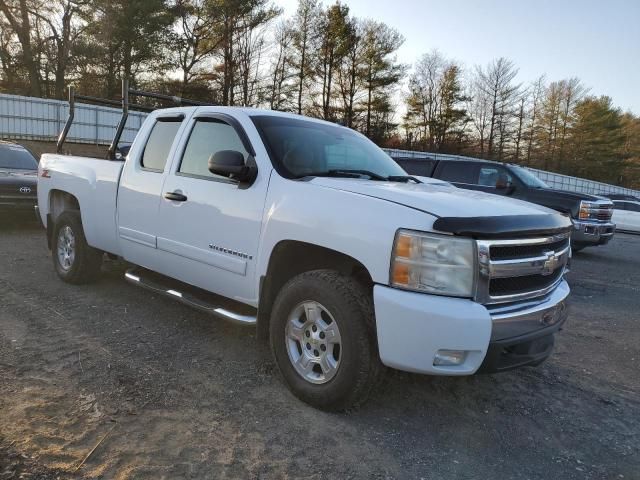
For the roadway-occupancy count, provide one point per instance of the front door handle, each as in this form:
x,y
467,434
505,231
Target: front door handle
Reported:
x,y
175,196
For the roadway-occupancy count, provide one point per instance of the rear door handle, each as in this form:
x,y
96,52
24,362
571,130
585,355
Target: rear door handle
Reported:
x,y
175,196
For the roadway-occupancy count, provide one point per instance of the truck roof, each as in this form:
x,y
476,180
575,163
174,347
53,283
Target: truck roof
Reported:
x,y
252,112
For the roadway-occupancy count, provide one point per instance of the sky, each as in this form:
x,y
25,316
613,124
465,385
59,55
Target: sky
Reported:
x,y
596,41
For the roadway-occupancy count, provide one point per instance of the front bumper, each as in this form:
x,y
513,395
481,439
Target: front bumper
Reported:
x,y
592,232
413,327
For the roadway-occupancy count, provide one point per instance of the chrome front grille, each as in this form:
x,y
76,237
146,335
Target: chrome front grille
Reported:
x,y
512,270
604,213
601,211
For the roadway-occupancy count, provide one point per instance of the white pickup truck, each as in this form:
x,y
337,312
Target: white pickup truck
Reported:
x,y
309,232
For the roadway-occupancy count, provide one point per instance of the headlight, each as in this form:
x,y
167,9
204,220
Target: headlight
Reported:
x,y
431,263
586,208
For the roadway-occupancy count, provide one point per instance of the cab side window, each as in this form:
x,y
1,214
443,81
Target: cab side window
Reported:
x,y
208,137
156,151
414,166
489,175
619,205
458,172
633,207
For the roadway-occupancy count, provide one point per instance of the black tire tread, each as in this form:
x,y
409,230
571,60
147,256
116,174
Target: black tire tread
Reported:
x,y
358,298
88,259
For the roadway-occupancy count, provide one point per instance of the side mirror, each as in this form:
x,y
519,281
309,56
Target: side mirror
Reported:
x,y
230,164
503,183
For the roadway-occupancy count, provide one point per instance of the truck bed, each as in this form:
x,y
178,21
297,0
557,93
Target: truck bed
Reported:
x,y
94,183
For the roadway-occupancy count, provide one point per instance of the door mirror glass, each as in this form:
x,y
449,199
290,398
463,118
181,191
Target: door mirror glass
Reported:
x,y
503,182
230,164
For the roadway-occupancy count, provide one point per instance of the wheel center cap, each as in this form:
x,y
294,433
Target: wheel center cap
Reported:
x,y
315,339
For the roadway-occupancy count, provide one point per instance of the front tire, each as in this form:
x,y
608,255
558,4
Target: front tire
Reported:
x,y
74,260
323,340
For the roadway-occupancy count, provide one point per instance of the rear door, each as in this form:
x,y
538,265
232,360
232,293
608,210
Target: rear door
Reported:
x,y
140,188
210,235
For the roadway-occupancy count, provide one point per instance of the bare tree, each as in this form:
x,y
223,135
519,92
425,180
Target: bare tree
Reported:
x,y
573,92
63,29
17,14
479,108
240,43
281,71
495,81
423,100
520,119
536,91
196,37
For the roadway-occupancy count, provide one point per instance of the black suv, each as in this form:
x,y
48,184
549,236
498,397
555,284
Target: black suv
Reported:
x,y
591,214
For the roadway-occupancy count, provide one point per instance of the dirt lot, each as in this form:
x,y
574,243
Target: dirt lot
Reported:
x,y
136,386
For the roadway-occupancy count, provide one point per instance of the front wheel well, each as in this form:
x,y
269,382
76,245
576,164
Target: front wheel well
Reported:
x,y
290,258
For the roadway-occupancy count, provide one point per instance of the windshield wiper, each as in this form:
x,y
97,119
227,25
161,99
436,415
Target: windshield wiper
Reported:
x,y
345,173
355,173
403,178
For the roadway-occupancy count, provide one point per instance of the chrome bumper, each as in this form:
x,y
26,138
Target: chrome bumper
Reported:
x,y
546,314
591,232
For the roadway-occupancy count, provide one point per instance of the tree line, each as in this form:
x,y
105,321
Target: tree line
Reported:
x,y
323,62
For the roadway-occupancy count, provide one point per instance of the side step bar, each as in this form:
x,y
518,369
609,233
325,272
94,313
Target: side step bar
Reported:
x,y
136,277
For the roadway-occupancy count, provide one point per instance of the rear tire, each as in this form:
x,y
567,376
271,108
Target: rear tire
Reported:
x,y
323,340
74,260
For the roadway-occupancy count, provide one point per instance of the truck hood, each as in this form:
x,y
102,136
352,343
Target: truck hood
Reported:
x,y
570,195
436,198
561,200
12,175
27,178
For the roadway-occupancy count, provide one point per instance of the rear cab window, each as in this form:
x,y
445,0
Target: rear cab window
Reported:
x,y
156,151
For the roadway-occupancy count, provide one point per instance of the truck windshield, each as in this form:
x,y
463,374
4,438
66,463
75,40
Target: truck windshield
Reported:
x,y
17,157
302,148
528,178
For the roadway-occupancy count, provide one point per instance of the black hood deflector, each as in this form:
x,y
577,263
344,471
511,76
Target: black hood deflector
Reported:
x,y
509,226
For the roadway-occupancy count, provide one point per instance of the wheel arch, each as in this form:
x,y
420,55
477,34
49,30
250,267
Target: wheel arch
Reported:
x,y
59,202
293,257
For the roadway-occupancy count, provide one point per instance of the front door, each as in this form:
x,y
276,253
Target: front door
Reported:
x,y
210,225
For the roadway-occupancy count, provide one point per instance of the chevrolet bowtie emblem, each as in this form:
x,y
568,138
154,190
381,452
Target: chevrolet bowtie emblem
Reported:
x,y
551,263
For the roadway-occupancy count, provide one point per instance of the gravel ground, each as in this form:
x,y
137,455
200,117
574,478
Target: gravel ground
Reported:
x,y
109,381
